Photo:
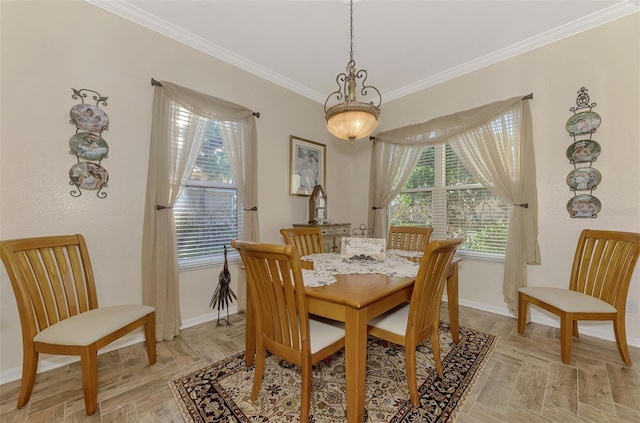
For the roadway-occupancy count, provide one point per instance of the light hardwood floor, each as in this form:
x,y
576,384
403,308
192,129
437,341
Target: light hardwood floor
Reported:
x,y
523,382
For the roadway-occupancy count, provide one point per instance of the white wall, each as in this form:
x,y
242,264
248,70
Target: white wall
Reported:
x,y
49,47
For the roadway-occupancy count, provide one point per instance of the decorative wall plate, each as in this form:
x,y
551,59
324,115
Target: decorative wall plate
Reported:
x,y
88,146
583,151
584,179
88,175
583,123
584,205
89,118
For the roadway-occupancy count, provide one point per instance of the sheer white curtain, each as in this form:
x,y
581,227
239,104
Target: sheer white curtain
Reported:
x,y
391,167
178,127
495,143
240,144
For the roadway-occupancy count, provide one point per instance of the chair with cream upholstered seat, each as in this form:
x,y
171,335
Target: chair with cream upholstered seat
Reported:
x,y
408,238
411,323
53,283
283,326
602,267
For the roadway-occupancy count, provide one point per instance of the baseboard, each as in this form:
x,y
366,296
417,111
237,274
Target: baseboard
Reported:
x,y
52,362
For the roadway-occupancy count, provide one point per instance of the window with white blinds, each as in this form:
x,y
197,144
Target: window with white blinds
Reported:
x,y
442,194
208,213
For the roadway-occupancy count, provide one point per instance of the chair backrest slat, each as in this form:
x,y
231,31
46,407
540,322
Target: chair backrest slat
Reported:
x,y
307,240
67,283
408,238
50,283
275,279
51,278
603,264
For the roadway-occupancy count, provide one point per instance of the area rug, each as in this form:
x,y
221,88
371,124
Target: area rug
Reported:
x,y
221,392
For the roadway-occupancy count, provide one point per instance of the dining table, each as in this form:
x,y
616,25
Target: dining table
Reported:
x,y
355,299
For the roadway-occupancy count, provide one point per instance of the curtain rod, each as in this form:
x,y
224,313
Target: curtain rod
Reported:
x,y
159,84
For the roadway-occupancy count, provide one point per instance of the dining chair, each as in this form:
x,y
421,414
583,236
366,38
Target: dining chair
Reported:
x,y
283,326
408,238
602,267
54,288
308,240
411,323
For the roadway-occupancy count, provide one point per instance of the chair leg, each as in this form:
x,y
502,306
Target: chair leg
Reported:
x,y
522,313
305,402
621,337
89,366
435,346
259,370
29,370
576,334
150,338
412,380
566,328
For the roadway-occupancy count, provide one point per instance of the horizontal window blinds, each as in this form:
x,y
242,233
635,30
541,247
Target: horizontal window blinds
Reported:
x,y
208,213
442,194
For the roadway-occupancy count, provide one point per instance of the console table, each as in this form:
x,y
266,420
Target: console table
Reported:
x,y
331,233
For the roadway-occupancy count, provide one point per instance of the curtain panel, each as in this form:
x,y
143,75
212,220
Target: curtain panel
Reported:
x,y
178,128
495,144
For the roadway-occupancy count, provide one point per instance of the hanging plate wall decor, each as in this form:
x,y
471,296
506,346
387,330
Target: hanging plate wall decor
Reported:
x,y
584,179
583,151
89,118
88,175
584,205
87,144
583,123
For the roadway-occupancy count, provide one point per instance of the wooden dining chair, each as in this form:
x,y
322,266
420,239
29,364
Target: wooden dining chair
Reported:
x,y
408,238
283,326
53,283
602,267
308,240
411,323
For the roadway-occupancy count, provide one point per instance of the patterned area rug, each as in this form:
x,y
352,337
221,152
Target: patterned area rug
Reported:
x,y
221,392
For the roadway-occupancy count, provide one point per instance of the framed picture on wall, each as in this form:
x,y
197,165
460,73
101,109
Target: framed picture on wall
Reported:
x,y
307,166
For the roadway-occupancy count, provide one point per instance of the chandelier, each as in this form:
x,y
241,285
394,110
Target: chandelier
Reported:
x,y
351,119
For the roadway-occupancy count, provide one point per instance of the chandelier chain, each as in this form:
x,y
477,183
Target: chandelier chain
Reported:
x,y
351,26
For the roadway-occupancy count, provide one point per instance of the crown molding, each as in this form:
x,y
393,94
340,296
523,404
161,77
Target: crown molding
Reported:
x,y
136,15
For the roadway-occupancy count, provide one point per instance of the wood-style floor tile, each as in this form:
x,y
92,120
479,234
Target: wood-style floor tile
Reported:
x,y
562,387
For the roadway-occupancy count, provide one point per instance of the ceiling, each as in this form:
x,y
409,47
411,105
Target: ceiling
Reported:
x,y
406,46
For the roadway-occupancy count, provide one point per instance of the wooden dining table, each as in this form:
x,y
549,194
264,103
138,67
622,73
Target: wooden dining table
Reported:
x,y
355,299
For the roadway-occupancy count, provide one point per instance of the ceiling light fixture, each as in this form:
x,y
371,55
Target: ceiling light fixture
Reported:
x,y
351,119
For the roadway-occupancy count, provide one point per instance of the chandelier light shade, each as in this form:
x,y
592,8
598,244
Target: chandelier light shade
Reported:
x,y
351,119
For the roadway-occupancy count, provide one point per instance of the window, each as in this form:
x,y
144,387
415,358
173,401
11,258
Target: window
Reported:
x,y
208,213
441,193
